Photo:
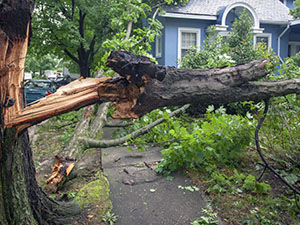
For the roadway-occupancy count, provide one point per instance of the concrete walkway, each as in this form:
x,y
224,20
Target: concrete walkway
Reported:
x,y
140,196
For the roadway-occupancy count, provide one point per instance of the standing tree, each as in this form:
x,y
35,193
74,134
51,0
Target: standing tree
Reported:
x,y
40,64
75,29
21,200
296,11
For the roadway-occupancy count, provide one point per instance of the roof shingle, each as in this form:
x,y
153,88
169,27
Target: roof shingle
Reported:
x,y
267,10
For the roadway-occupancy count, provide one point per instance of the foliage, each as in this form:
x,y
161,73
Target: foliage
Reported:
x,y
214,54
296,11
237,49
282,135
66,121
85,31
138,41
290,68
189,188
241,39
110,218
73,30
250,184
40,64
145,26
210,217
220,138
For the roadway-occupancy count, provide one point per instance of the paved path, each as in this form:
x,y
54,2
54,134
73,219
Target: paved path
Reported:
x,y
140,196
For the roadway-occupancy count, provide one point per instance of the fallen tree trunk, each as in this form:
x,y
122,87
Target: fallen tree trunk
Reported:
x,y
145,86
65,164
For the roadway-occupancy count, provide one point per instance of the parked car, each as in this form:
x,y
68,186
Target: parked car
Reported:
x,y
52,77
63,81
36,89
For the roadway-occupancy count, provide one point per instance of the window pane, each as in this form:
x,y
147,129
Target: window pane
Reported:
x,y
184,52
159,45
293,49
297,49
188,39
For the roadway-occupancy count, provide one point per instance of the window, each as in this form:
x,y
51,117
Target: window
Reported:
x,y
265,38
294,48
187,38
158,47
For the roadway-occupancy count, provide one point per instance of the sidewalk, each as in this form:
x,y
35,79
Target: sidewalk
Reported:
x,y
140,196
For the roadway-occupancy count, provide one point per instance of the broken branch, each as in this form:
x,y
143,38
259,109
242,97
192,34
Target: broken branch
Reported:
x,y
92,143
145,86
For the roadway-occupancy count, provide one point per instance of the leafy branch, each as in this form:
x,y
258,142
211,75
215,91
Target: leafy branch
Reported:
x,y
266,163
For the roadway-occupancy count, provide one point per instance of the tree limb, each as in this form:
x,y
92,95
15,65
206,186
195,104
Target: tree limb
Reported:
x,y
145,86
123,124
68,53
129,28
92,143
65,164
146,36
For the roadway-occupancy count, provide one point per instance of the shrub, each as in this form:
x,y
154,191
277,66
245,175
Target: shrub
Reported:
x,y
221,138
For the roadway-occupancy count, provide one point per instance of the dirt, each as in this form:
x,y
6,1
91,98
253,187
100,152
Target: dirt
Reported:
x,y
90,188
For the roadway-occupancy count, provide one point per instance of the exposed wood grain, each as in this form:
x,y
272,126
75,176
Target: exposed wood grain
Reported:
x,y
144,86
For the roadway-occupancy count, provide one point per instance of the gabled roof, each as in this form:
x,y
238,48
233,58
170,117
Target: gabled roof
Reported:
x,y
268,11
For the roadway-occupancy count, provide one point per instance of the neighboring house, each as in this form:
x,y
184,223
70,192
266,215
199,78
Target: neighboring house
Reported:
x,y
185,26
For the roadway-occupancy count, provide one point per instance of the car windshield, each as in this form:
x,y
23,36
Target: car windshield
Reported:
x,y
39,84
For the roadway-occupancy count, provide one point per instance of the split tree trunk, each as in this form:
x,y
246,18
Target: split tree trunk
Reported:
x,y
21,200
14,201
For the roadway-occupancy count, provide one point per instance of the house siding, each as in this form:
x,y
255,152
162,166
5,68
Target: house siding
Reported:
x,y
170,37
289,4
276,31
276,26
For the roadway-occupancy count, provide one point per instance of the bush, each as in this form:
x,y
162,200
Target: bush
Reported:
x,y
221,138
290,68
238,49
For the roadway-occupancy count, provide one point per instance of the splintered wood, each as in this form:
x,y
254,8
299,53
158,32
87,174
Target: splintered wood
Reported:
x,y
77,94
12,63
145,86
60,169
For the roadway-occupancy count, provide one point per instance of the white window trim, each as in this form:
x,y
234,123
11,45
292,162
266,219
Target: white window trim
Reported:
x,y
267,35
294,43
158,51
191,30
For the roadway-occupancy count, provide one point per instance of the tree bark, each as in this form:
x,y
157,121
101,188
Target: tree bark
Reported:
x,y
65,165
24,202
145,86
92,143
21,200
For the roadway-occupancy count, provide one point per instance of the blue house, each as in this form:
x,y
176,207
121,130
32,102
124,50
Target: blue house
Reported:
x,y
185,26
